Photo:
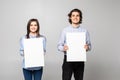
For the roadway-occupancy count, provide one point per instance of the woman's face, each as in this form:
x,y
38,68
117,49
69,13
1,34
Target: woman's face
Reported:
x,y
33,27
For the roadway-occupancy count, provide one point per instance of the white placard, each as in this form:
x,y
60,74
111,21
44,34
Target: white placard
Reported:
x,y
33,52
76,50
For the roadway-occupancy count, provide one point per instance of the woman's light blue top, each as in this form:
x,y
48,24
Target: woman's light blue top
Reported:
x,y
22,50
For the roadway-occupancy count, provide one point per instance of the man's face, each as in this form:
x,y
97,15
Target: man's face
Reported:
x,y
75,18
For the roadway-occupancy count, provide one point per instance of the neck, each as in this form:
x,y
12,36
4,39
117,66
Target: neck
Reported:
x,y
75,25
33,33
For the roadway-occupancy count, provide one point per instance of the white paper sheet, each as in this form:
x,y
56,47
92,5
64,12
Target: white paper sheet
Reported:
x,y
33,52
75,43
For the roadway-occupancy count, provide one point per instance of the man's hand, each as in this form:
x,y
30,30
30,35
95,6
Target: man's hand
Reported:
x,y
65,48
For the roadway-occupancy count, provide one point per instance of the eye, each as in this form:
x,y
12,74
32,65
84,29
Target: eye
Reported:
x,y
73,15
35,25
77,15
31,25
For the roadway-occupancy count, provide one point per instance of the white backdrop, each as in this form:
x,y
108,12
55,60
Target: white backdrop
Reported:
x,y
100,17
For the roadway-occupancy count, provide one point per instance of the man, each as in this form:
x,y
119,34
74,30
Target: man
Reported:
x,y
76,68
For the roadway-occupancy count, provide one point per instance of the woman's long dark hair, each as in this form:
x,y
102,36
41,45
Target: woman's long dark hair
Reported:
x,y
28,27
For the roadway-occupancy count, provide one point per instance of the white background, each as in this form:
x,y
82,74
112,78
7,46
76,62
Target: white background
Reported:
x,y
100,17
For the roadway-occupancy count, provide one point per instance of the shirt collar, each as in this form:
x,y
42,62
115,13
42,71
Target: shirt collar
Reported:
x,y
75,27
32,36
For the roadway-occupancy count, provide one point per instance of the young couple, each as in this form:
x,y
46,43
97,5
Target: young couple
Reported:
x,y
68,68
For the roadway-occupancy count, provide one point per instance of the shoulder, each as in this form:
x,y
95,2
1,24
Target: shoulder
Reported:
x,y
23,37
83,29
66,28
42,36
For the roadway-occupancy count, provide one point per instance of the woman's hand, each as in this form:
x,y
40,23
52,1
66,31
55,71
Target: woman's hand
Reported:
x,y
86,47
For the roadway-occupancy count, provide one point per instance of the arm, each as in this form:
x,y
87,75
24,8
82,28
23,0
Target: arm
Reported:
x,y
44,44
88,42
61,42
21,47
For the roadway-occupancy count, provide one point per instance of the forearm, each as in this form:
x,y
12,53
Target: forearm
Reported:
x,y
60,47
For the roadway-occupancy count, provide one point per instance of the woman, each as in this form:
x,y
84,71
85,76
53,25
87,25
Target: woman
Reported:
x,y
32,32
